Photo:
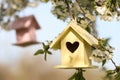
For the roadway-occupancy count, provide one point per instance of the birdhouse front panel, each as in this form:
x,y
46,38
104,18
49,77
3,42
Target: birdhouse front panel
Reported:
x,y
26,35
73,50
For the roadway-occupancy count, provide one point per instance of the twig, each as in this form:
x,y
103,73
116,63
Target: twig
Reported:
x,y
69,10
83,12
115,65
81,8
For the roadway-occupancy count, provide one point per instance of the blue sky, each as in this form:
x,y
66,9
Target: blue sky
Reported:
x,y
51,27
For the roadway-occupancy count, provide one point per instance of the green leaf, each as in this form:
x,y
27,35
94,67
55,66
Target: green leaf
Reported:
x,y
39,52
117,76
106,41
72,77
118,68
49,52
110,72
80,76
45,47
77,76
88,29
103,62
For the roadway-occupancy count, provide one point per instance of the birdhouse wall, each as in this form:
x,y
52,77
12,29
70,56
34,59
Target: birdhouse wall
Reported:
x,y
88,52
73,50
26,35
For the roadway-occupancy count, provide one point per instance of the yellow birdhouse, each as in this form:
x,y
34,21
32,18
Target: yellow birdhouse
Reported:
x,y
75,44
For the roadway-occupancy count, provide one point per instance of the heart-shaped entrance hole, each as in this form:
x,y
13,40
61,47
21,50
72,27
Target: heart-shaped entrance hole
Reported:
x,y
72,47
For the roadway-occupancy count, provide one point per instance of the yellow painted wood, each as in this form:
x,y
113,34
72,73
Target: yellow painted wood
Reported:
x,y
78,57
87,52
68,67
80,31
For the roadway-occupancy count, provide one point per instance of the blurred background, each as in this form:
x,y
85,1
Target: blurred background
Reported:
x,y
19,63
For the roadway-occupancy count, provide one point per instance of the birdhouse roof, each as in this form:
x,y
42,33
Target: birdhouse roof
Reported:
x,y
24,22
79,30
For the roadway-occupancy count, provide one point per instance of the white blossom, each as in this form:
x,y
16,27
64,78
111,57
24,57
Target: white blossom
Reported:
x,y
99,55
106,17
118,18
96,59
96,55
107,55
109,48
110,56
14,6
56,3
105,13
58,12
84,23
101,9
91,17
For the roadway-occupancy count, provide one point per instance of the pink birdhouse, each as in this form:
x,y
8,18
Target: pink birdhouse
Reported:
x,y
25,30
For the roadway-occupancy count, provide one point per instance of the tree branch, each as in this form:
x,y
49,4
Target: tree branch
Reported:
x,y
69,10
115,65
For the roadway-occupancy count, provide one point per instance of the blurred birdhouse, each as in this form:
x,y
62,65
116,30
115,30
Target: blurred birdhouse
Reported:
x,y
76,46
25,30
